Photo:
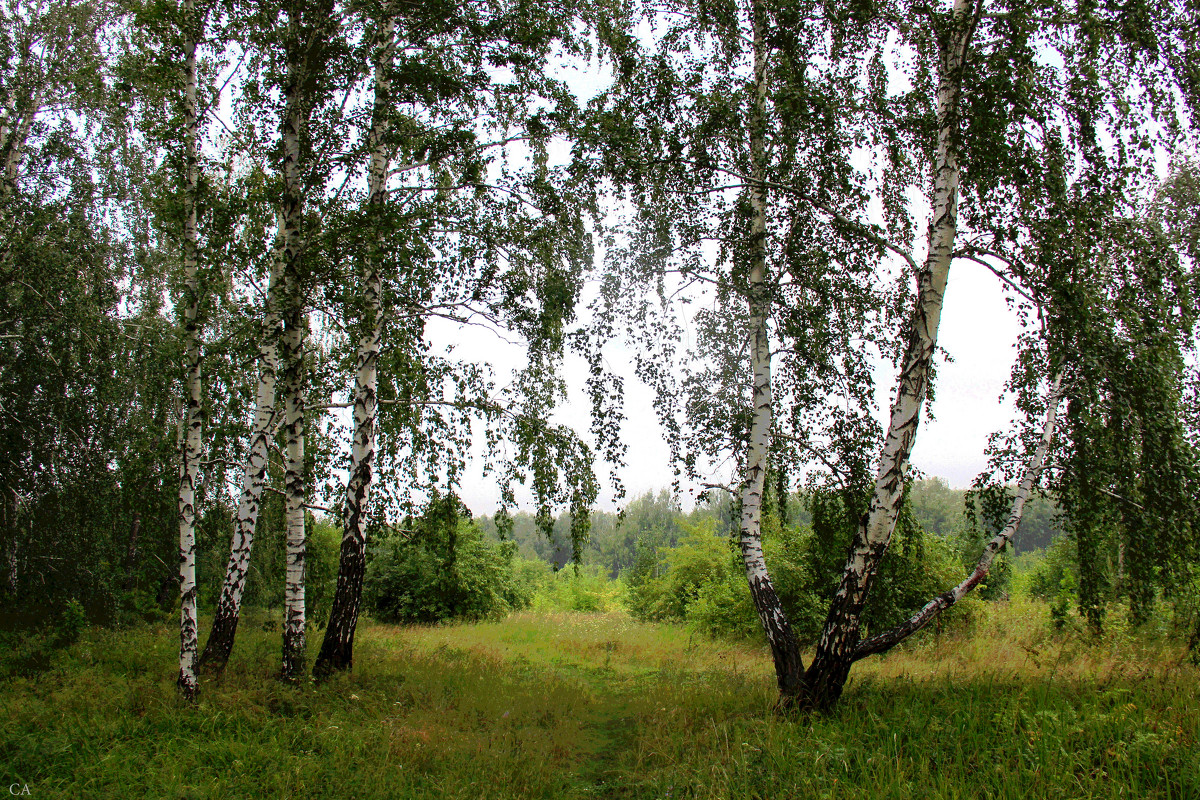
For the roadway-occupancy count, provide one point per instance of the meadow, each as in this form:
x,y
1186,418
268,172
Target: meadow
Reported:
x,y
574,705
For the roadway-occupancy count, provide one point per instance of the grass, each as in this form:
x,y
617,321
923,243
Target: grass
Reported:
x,y
578,706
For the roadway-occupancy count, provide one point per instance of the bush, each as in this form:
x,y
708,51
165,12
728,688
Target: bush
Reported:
x,y
702,581
723,607
322,551
27,649
586,589
441,567
666,591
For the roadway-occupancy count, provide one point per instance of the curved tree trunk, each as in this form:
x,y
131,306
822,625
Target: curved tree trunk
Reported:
x,y
785,650
189,466
225,621
827,675
1033,469
337,649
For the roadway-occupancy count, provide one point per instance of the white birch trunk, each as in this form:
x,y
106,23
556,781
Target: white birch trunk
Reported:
x,y
1033,470
784,648
337,649
840,634
225,621
15,141
292,358
191,441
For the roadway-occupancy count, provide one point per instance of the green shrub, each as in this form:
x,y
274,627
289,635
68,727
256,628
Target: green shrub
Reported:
x,y
322,550
699,558
587,588
702,580
723,607
27,648
442,567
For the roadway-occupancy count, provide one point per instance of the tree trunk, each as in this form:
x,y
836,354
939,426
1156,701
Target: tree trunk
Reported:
x,y
225,621
827,675
190,452
1033,469
292,365
11,532
131,552
14,142
785,650
337,649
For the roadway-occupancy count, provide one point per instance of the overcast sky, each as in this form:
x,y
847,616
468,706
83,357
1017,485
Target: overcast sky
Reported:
x,y
977,329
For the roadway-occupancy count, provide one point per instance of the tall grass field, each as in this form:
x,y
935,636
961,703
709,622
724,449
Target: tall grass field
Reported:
x,y
560,705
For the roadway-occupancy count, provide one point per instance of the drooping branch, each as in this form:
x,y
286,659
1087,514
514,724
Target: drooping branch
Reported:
x,y
1033,469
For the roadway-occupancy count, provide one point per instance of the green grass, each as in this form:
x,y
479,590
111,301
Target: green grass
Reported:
x,y
577,706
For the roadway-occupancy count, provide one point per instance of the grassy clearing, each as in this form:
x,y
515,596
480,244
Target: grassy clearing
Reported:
x,y
576,705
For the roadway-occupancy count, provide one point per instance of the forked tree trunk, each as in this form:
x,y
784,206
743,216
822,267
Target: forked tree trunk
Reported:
x,y
337,649
785,650
827,675
225,621
190,451
292,360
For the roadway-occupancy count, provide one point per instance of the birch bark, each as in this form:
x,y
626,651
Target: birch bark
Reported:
x,y
337,649
191,444
840,635
14,134
292,363
225,621
1033,470
785,649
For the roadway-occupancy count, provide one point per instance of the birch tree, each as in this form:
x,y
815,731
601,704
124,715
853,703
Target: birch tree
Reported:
x,y
290,69
1120,289
225,619
1082,113
338,645
191,30
996,107
170,81
745,148
457,232
50,61
306,46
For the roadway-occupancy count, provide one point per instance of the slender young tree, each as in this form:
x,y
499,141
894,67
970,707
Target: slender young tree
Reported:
x,y
306,45
785,649
189,467
827,674
225,619
455,232
337,648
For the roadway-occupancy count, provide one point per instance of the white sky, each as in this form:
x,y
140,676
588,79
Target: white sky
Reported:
x,y
977,329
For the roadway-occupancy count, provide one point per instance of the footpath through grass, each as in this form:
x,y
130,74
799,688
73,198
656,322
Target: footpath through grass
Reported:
x,y
576,706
